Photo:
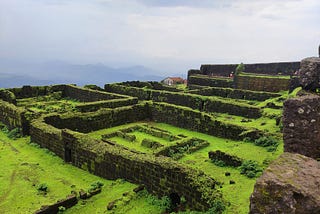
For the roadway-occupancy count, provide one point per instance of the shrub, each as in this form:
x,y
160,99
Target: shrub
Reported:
x,y
269,142
95,185
61,209
239,68
219,162
14,133
42,187
250,168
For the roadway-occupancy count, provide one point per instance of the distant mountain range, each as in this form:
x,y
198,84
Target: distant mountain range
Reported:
x,y
16,74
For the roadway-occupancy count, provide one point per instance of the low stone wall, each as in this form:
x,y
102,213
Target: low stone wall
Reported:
x,y
13,117
204,80
104,118
257,83
30,91
88,95
301,125
285,68
201,103
161,175
227,159
70,201
198,121
234,93
47,136
94,106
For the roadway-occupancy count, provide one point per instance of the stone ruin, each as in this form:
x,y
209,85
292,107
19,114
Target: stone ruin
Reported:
x,y
291,184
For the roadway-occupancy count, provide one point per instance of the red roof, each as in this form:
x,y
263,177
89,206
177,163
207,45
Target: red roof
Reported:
x,y
176,79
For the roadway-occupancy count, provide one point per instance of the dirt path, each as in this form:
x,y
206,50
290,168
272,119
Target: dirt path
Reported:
x,y
5,195
10,145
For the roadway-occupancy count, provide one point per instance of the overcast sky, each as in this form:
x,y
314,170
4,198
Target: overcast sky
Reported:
x,y
167,35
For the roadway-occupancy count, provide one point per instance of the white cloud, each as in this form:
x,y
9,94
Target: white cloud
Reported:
x,y
169,35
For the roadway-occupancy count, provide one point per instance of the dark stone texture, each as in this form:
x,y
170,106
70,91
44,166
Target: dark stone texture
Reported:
x,y
301,125
70,201
309,73
289,185
256,83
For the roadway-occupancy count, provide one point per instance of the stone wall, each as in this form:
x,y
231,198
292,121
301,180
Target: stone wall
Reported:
x,y
257,83
285,68
161,175
47,136
13,117
104,118
201,103
234,93
199,121
205,80
301,125
88,95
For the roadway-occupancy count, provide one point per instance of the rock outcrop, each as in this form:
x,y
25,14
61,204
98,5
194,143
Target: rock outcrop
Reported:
x,y
291,184
309,73
301,125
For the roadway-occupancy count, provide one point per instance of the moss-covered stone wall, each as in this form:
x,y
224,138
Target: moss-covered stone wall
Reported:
x,y
88,95
205,80
234,93
201,103
160,175
262,84
13,116
104,118
199,121
283,68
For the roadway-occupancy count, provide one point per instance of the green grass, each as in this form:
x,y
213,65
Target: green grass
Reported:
x,y
24,167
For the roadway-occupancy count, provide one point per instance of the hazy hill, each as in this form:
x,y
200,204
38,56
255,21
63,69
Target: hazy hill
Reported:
x,y
15,74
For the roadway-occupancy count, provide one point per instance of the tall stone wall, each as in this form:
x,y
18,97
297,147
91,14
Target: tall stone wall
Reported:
x,y
262,83
301,125
285,68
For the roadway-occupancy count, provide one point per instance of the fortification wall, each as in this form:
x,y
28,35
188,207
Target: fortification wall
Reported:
x,y
283,68
262,83
234,93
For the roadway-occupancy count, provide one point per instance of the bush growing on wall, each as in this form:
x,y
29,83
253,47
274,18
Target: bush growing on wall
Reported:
x,y
239,68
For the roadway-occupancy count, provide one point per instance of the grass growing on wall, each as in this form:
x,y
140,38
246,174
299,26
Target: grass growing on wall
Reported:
x,y
26,169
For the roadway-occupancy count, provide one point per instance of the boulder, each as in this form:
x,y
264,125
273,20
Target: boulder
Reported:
x,y
289,185
309,73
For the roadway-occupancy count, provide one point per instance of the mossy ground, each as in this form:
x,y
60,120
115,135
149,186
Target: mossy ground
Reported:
x,y
237,194
25,166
